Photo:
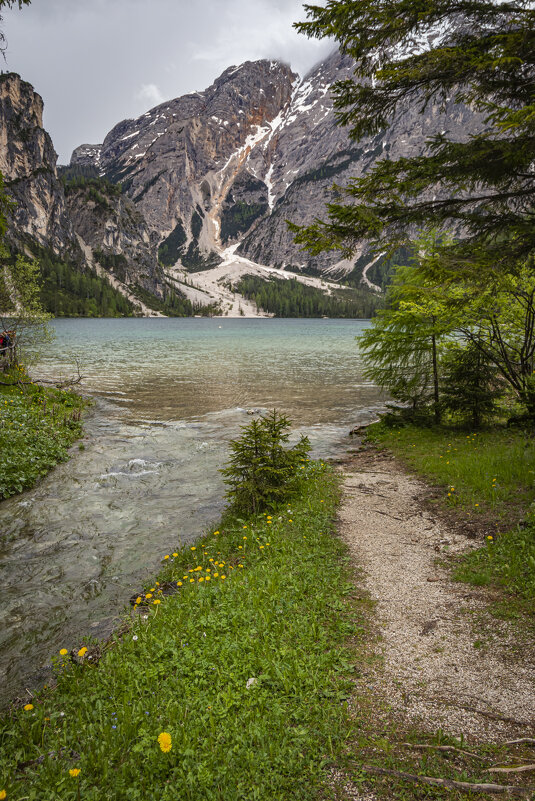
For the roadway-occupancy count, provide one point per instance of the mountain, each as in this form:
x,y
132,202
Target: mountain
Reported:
x,y
68,227
28,165
194,195
230,165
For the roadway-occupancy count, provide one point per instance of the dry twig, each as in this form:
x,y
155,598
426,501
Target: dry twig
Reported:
x,y
454,785
451,748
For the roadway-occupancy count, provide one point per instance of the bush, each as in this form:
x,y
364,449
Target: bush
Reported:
x,y
262,473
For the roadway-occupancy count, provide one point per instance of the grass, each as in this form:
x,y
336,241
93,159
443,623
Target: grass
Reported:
x,y
37,426
242,672
490,471
239,651
489,476
508,561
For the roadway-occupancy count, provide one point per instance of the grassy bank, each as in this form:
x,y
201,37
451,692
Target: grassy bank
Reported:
x,y
37,426
485,477
227,682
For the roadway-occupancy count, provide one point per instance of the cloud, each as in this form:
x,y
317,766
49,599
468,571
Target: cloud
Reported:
x,y
96,63
266,31
150,93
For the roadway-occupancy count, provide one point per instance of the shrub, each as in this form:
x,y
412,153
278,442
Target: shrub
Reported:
x,y
262,473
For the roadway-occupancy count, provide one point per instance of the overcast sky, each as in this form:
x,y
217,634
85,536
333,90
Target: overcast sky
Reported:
x,y
96,62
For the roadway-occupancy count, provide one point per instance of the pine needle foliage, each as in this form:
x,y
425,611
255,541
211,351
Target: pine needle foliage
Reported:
x,y
470,385
436,53
263,471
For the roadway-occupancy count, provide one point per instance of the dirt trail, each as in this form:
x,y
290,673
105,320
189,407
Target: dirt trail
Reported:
x,y
447,664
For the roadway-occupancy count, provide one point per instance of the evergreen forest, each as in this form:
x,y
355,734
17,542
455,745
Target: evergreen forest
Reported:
x,y
288,297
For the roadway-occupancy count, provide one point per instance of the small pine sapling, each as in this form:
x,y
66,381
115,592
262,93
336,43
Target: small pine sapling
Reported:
x,y
263,471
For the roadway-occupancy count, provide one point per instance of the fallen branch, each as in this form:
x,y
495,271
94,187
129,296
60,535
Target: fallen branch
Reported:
x,y
519,769
521,741
386,514
491,715
423,746
454,785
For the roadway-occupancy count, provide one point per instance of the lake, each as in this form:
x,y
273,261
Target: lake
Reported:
x,y
168,395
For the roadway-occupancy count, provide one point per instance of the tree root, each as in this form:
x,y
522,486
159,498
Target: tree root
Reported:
x,y
450,783
450,748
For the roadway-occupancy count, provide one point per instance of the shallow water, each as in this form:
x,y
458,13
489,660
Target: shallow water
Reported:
x,y
169,394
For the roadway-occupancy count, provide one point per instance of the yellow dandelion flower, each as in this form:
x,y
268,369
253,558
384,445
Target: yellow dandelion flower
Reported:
x,y
490,537
193,548
477,504
216,532
245,526
223,577
3,794
138,599
261,547
207,578
28,707
179,584
245,538
216,575
156,601
201,578
164,741
82,652
74,772
166,556
148,595
192,581
175,554
63,652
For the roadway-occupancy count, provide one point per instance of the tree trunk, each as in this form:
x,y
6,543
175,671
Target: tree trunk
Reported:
x,y
435,380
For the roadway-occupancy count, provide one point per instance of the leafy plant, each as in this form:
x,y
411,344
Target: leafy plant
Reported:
x,y
37,426
262,472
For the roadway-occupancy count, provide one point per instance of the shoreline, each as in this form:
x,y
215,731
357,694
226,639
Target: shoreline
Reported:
x,y
392,663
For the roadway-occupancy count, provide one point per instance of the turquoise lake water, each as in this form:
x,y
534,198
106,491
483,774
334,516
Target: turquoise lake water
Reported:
x,y
169,394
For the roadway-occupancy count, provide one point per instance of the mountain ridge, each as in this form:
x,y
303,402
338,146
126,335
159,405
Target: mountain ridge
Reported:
x,y
208,181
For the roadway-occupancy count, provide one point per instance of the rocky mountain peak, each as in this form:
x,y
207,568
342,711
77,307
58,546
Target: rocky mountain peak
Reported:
x,y
28,165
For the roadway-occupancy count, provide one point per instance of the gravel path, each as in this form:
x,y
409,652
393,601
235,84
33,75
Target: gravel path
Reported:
x,y
447,664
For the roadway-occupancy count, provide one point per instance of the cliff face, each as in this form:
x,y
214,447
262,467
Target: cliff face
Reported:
x,y
65,222
230,165
312,152
179,160
117,233
28,164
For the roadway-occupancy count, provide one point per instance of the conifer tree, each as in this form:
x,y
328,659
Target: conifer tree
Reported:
x,y
477,52
262,470
469,383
